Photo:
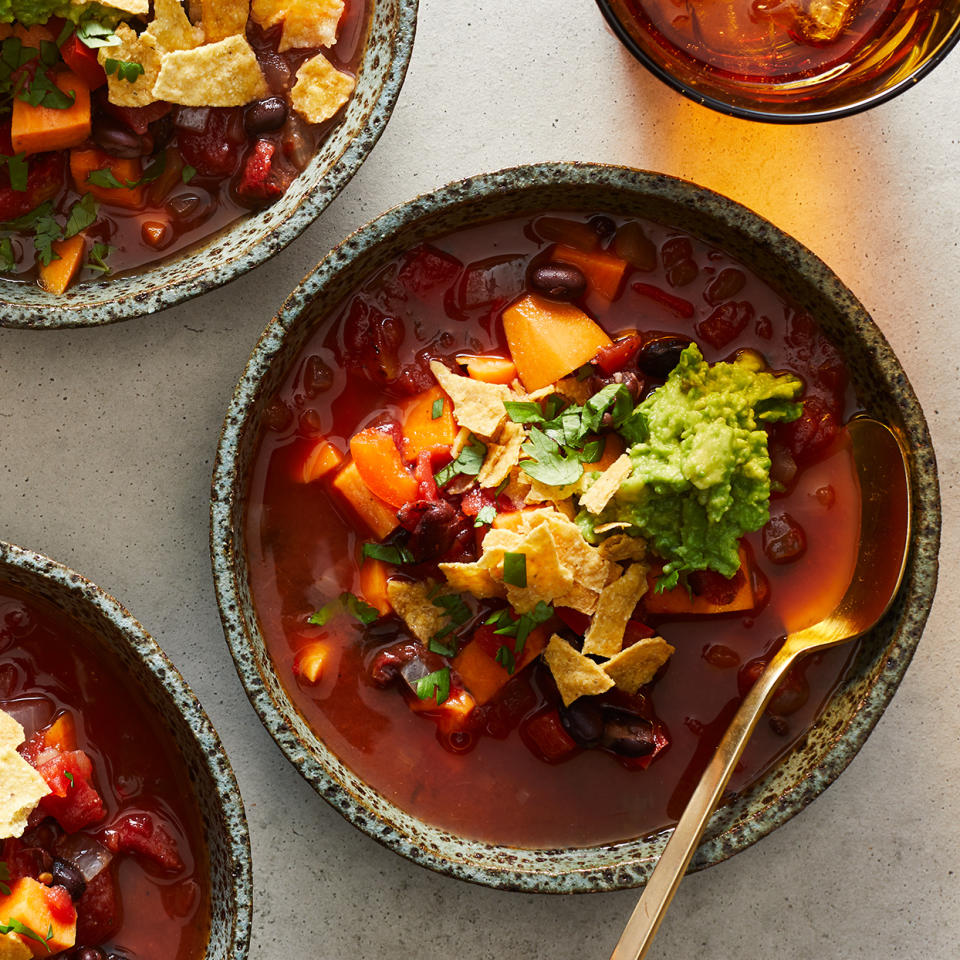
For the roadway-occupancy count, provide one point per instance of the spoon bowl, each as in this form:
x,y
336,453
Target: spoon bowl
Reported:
x,y
883,473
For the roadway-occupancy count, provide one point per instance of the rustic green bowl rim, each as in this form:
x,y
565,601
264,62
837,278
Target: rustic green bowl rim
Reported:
x,y
231,900
566,870
255,238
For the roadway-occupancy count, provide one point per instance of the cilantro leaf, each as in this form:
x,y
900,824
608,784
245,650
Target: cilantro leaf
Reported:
x,y
549,464
4,878
98,255
506,659
614,395
323,616
106,178
469,461
82,214
17,168
388,553
15,926
95,35
486,515
7,260
128,70
69,776
455,608
593,450
359,608
523,411
436,684
46,232
155,168
436,411
41,91
515,569
521,627
188,173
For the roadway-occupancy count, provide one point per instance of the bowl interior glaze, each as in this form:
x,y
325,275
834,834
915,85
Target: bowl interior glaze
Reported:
x,y
125,643
791,269
255,238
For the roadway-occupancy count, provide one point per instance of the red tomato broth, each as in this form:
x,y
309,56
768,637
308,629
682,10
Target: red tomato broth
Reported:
x,y
302,545
47,658
216,205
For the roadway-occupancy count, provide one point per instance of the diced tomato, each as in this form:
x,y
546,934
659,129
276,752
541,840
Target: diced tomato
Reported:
x,y
576,621
810,435
617,355
60,904
257,184
426,268
139,833
73,801
45,177
475,500
98,913
83,62
725,323
214,151
545,736
424,474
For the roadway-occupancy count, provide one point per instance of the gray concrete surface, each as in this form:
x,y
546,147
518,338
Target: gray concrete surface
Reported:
x,y
107,439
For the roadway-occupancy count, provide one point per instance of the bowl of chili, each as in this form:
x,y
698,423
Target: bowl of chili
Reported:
x,y
147,848
151,160
354,543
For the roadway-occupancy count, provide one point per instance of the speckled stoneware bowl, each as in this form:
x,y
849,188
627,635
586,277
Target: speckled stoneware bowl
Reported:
x,y
786,265
125,642
254,239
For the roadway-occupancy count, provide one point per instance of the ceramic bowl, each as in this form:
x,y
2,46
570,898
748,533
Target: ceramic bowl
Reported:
x,y
787,266
909,48
255,238
126,643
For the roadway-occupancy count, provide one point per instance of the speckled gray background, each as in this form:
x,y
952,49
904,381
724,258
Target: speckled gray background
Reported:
x,y
107,439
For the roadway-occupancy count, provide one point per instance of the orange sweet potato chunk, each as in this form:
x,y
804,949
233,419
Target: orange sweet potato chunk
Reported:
x,y
39,129
421,430
43,909
381,467
549,340
373,585
57,275
604,271
490,369
378,516
679,600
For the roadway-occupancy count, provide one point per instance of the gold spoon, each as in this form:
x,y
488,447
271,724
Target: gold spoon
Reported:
x,y
884,476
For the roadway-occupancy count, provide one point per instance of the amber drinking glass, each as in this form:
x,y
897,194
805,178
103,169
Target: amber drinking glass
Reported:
x,y
787,61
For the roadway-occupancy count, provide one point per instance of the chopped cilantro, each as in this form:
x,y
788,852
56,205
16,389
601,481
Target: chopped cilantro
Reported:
x,y
436,411
128,70
506,659
41,91
106,178
436,645
504,483
46,232
155,168
4,878
593,450
585,371
520,628
515,569
436,684
353,605
486,515
95,35
615,396
524,411
17,168
322,616
550,463
188,173
98,257
69,776
7,260
469,461
388,553
15,926
455,608
49,53
82,214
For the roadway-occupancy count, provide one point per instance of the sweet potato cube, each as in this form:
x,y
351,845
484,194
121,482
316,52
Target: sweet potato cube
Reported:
x,y
679,600
380,517
381,467
452,714
322,458
373,585
483,676
421,430
604,271
548,340
490,369
310,660
43,909
40,129
58,274
124,170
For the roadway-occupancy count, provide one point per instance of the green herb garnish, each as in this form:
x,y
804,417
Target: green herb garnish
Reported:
x,y
515,569
436,411
7,260
128,70
388,553
98,257
506,659
520,628
188,173
469,461
95,35
435,685
82,214
4,878
353,605
485,516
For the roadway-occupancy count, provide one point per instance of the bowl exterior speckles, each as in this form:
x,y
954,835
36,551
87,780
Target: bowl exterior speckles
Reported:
x,y
127,644
788,267
259,236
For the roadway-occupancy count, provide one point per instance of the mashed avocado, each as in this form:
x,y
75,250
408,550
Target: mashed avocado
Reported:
x,y
29,12
701,472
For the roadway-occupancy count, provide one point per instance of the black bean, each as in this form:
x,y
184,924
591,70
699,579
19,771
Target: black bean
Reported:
x,y
558,281
783,539
87,953
119,140
603,226
317,376
583,720
627,735
66,874
433,526
658,357
261,116
726,284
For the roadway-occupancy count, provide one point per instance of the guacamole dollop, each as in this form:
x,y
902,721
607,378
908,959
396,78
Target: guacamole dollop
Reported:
x,y
700,475
29,12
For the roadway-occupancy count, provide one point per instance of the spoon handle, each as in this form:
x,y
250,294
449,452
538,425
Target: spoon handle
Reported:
x,y
662,885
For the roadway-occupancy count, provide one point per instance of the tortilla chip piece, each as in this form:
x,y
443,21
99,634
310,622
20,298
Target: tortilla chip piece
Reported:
x,y
413,603
604,636
142,50
575,675
606,485
471,578
11,733
172,30
321,90
638,664
502,456
21,787
221,74
548,579
268,12
546,493
311,23
588,567
138,8
223,18
13,948
621,546
478,406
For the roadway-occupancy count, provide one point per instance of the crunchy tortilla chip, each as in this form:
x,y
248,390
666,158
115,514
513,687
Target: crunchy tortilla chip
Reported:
x,y
548,579
604,636
223,18
575,675
311,23
471,578
613,525
638,664
142,50
502,455
268,12
621,546
221,74
138,8
13,948
413,603
21,787
478,406
172,30
546,493
606,485
588,567
321,90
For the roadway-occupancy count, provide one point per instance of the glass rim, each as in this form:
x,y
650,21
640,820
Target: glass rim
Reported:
x,y
765,116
